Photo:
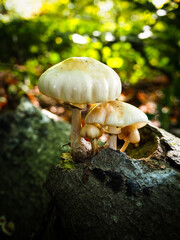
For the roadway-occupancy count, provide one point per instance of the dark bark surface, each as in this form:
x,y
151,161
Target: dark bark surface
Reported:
x,y
120,196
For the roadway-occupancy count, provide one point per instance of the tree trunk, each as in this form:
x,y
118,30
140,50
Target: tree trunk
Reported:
x,y
120,196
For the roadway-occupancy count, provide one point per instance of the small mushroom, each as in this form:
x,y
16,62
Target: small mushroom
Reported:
x,y
129,134
93,133
114,116
79,81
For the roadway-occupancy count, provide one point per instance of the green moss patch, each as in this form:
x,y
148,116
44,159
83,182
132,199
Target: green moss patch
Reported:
x,y
66,163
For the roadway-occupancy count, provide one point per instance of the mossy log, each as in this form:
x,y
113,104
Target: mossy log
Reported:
x,y
133,195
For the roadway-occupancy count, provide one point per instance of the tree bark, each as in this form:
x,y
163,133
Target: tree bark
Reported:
x,y
115,196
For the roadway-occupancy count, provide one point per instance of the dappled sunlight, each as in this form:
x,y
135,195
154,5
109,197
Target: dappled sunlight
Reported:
x,y
159,3
25,8
79,39
161,12
109,37
146,33
139,41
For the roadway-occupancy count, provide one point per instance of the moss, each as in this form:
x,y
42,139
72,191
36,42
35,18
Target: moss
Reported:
x,y
146,151
66,163
148,144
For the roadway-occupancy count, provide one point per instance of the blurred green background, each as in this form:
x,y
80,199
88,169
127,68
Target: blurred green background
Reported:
x,y
139,39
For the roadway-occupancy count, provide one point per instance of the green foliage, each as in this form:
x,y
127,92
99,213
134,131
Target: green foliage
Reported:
x,y
135,38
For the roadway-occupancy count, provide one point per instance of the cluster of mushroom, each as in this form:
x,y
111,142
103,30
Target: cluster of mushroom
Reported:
x,y
118,119
79,81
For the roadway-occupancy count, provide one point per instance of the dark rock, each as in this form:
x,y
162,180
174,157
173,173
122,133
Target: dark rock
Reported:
x,y
30,143
122,197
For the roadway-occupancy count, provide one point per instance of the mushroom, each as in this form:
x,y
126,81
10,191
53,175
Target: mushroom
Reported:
x,y
114,116
130,134
93,132
79,81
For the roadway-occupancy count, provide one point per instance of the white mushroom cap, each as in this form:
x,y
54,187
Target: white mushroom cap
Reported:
x,y
90,131
80,80
117,113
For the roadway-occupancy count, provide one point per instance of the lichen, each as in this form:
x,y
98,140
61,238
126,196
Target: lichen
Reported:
x,y
154,163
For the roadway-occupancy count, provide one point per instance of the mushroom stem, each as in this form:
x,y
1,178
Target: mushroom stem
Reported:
x,y
75,128
125,145
112,137
113,141
94,143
